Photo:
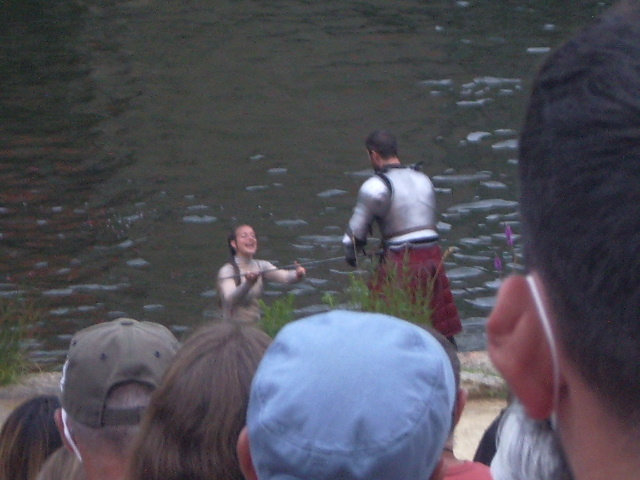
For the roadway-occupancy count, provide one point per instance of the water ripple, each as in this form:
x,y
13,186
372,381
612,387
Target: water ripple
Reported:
x,y
506,145
489,204
462,178
475,137
463,273
290,223
199,219
332,192
138,262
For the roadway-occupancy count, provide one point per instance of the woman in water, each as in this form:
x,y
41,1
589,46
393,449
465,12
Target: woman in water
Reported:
x,y
240,281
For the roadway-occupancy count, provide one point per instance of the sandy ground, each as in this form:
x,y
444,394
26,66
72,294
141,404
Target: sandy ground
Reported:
x,y
487,396
476,417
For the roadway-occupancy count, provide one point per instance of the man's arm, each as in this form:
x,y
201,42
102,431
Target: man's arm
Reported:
x,y
351,247
373,201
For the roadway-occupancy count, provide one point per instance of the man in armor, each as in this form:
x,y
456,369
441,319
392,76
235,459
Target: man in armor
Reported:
x,y
401,200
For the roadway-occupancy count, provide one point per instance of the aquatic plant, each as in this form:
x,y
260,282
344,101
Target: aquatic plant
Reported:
x,y
394,291
277,314
15,318
508,235
498,262
329,299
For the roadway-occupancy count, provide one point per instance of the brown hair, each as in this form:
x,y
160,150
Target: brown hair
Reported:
x,y
191,427
232,237
232,254
29,435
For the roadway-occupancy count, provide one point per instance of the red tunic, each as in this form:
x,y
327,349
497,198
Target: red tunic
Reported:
x,y
421,270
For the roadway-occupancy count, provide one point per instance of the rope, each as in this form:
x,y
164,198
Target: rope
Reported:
x,y
291,265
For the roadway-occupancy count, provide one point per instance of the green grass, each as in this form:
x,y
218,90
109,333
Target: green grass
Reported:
x,y
16,317
394,297
278,314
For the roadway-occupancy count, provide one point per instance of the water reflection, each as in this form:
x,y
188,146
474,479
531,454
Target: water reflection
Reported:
x,y
135,133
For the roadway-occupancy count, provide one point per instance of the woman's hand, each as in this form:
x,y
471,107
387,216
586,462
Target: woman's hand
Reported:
x,y
252,277
300,271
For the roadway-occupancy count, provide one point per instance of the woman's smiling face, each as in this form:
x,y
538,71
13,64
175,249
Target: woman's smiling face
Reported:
x,y
246,242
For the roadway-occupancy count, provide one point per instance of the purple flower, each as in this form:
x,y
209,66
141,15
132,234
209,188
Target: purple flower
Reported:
x,y
497,263
509,234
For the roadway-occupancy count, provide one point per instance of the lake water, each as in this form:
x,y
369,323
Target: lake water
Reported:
x,y
134,133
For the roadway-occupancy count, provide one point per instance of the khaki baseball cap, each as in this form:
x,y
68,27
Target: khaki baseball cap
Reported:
x,y
109,354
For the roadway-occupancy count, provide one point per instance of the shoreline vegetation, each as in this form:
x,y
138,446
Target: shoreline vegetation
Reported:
x,y
20,317
20,379
393,293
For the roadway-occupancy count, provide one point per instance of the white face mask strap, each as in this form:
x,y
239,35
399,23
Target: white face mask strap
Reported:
x,y
546,326
67,434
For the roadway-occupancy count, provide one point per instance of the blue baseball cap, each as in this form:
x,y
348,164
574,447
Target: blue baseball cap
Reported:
x,y
350,395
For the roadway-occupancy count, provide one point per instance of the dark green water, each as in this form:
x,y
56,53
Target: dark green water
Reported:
x,y
135,133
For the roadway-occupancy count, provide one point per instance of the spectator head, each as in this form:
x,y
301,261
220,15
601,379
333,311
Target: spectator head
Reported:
x,y
349,395
580,171
62,465
28,437
191,427
107,380
567,336
527,449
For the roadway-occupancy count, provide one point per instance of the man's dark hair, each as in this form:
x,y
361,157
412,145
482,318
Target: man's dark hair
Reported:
x,y
382,142
580,201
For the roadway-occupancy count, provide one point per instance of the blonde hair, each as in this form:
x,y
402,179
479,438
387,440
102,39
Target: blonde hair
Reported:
x,y
62,464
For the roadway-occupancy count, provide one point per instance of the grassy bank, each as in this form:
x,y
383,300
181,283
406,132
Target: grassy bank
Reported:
x,y
17,320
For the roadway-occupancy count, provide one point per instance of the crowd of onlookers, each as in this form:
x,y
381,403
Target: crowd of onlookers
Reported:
x,y
338,395
345,395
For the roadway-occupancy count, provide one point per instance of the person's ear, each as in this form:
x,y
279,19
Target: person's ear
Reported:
x,y
461,401
376,159
57,418
244,456
519,349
